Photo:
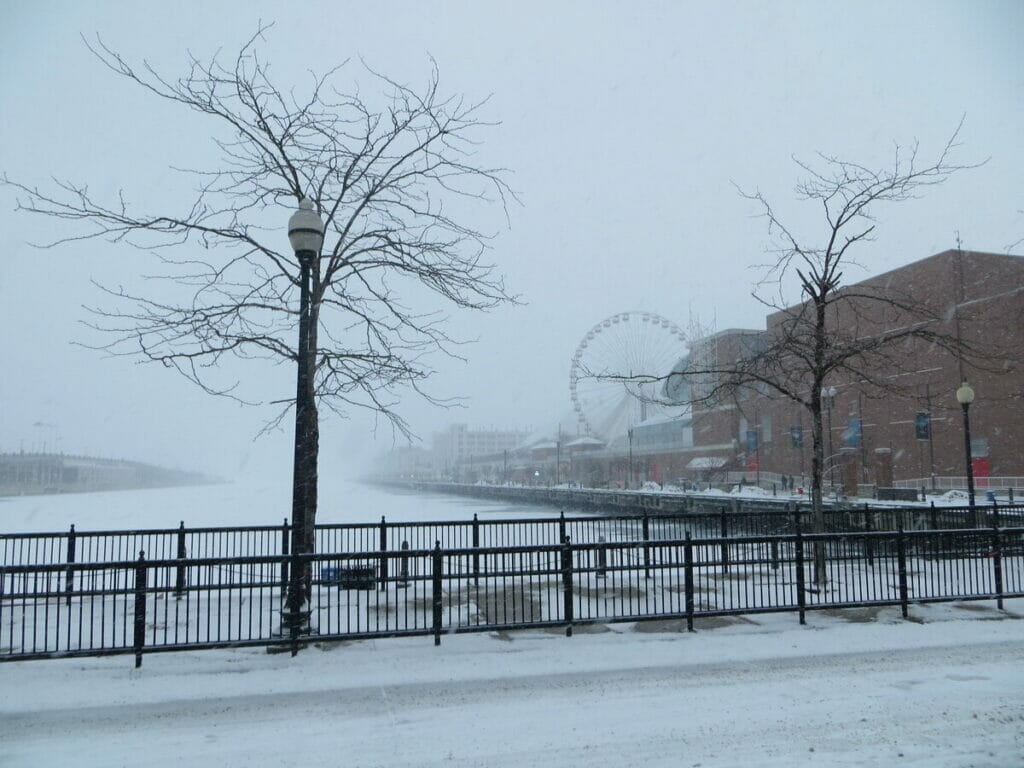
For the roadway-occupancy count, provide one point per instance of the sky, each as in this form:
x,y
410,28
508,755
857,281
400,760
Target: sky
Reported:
x,y
627,130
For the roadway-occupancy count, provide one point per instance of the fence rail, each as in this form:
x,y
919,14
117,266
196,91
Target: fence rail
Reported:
x,y
633,570
73,547
959,483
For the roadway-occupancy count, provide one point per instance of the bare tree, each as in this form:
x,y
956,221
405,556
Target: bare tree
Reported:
x,y
834,332
393,179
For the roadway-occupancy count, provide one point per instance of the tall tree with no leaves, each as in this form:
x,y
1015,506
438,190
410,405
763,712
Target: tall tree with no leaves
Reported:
x,y
834,331
394,179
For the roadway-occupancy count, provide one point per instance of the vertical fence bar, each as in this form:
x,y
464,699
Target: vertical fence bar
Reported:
x,y
997,564
404,568
647,545
284,558
179,578
383,553
567,599
869,543
800,596
69,579
724,529
901,554
688,565
476,553
437,603
140,608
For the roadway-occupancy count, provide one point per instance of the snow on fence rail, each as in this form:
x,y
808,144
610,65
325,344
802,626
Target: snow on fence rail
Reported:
x,y
165,604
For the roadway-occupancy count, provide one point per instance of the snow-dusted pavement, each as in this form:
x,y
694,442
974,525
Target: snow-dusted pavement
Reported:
x,y
948,691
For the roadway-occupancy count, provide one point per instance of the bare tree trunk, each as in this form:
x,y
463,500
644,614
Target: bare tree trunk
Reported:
x,y
817,475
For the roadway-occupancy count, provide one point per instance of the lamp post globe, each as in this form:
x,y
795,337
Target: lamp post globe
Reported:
x,y
306,229
965,394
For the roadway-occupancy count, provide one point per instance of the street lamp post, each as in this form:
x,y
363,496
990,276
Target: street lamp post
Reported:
x,y
965,396
306,234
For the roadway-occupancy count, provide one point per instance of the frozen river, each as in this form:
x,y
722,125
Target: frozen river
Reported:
x,y
246,502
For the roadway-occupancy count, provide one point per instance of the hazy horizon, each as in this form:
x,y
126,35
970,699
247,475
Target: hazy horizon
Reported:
x,y
626,131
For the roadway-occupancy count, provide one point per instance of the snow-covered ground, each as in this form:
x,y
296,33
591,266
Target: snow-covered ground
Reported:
x,y
948,691
849,689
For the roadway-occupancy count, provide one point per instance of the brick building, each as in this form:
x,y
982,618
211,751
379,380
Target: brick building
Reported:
x,y
896,416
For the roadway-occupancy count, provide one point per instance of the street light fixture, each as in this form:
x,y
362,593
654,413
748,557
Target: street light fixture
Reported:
x,y
306,234
965,396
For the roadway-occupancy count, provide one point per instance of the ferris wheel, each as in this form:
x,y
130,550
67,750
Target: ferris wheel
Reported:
x,y
615,379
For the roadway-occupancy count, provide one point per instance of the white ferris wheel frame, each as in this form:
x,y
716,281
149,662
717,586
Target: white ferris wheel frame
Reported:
x,y
630,348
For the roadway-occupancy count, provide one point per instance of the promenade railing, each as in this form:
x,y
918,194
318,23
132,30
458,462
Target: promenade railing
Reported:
x,y
549,574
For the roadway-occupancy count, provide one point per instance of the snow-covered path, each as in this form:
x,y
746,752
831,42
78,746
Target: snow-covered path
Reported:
x,y
948,692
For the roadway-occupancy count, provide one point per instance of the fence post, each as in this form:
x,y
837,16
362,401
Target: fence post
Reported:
x,y
602,558
775,554
647,545
688,565
436,596
284,558
383,553
179,577
901,554
933,516
476,553
567,602
561,526
800,597
724,545
69,579
997,564
869,543
140,608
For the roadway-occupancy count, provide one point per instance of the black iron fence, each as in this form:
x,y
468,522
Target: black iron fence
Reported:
x,y
385,580
724,520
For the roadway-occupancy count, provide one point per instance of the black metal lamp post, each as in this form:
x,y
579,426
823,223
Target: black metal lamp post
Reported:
x,y
965,396
306,234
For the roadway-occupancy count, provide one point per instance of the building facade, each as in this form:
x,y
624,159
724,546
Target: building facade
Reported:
x,y
893,415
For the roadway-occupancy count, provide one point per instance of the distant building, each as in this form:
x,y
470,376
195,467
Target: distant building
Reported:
x,y
43,473
459,444
876,436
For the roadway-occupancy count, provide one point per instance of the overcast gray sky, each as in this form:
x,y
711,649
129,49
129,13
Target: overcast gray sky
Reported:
x,y
625,126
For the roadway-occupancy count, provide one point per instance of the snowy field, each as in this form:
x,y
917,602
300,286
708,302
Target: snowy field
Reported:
x,y
851,688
